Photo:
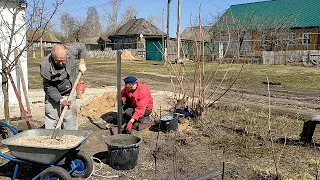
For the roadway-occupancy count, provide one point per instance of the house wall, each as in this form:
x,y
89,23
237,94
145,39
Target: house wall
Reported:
x,y
126,43
230,43
19,42
314,44
44,44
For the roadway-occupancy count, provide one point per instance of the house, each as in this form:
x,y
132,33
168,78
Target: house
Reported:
x,y
96,43
191,35
139,34
48,39
273,25
18,44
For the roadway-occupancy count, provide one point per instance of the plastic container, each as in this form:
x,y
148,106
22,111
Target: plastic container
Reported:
x,y
123,151
169,122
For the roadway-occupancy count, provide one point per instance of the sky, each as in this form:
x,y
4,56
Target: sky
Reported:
x,y
210,9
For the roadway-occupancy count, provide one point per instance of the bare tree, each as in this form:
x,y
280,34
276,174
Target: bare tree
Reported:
x,y
130,13
93,22
81,29
154,20
76,28
15,18
67,22
112,14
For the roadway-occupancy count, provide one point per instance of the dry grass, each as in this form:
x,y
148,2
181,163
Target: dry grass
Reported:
x,y
291,77
242,134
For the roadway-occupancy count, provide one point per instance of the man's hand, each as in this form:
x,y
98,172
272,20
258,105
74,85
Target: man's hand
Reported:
x,y
82,66
64,102
129,125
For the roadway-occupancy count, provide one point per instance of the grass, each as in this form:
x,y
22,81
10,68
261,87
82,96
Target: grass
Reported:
x,y
241,133
293,78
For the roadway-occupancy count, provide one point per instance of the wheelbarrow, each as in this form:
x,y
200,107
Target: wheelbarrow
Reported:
x,y
77,163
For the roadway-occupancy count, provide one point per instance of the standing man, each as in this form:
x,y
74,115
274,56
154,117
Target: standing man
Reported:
x,y
59,73
137,102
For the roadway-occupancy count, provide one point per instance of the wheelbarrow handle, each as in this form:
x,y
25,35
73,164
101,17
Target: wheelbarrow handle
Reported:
x,y
55,132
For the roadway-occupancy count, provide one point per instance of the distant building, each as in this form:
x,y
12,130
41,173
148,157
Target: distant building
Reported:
x,y
139,34
190,35
96,43
48,39
272,25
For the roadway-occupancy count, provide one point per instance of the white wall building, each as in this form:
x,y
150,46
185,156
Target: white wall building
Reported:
x,y
19,41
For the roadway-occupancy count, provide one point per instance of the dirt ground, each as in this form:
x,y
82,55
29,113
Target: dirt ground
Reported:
x,y
223,136
234,134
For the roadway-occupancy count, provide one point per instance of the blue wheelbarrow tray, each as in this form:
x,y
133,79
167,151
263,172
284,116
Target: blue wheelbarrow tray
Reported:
x,y
43,155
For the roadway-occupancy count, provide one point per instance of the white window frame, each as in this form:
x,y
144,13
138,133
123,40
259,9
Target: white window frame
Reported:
x,y
276,40
264,40
306,39
292,39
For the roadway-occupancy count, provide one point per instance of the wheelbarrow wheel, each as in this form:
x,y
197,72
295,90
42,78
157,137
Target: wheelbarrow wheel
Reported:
x,y
84,163
54,173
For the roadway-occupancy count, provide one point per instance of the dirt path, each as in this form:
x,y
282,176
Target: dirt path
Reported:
x,y
293,103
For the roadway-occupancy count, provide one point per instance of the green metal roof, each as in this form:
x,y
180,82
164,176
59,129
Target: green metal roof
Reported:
x,y
273,13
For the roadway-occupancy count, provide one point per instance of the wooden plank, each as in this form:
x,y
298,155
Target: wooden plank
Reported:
x,y
23,82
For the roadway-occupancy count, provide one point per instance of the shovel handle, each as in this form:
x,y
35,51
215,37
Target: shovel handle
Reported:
x,y
55,132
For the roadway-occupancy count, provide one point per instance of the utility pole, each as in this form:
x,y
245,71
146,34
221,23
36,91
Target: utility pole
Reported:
x,y
168,29
178,32
163,44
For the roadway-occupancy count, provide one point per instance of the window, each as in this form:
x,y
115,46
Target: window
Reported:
x,y
276,39
292,39
264,39
306,39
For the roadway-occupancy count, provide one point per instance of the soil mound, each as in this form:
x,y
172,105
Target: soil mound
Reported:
x,y
100,106
127,55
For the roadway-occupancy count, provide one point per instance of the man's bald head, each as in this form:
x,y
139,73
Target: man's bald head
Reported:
x,y
59,54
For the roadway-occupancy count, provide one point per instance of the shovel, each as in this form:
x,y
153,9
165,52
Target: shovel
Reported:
x,y
58,127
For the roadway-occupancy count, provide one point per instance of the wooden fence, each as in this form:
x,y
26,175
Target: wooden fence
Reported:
x,y
112,54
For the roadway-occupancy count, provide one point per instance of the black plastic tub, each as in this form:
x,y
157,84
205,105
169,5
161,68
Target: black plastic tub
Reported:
x,y
169,122
123,151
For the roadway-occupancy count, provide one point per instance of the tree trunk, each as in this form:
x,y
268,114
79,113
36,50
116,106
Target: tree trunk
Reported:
x,y
5,90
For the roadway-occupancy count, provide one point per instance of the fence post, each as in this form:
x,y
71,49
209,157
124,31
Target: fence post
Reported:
x,y
119,116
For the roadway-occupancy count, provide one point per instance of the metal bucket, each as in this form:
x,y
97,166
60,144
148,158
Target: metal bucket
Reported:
x,y
123,151
169,122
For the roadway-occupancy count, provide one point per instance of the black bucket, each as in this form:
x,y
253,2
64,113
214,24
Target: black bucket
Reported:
x,y
123,150
169,122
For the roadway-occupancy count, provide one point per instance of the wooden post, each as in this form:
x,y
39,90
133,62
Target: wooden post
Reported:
x,y
163,44
168,28
23,82
119,116
41,47
178,32
33,53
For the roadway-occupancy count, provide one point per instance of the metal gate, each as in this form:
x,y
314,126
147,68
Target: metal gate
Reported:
x,y
154,49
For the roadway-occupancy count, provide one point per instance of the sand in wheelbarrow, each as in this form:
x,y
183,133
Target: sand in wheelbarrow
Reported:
x,y
64,142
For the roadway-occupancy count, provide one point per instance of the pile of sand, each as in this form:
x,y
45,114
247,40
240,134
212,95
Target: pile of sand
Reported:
x,y
127,55
65,141
100,106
